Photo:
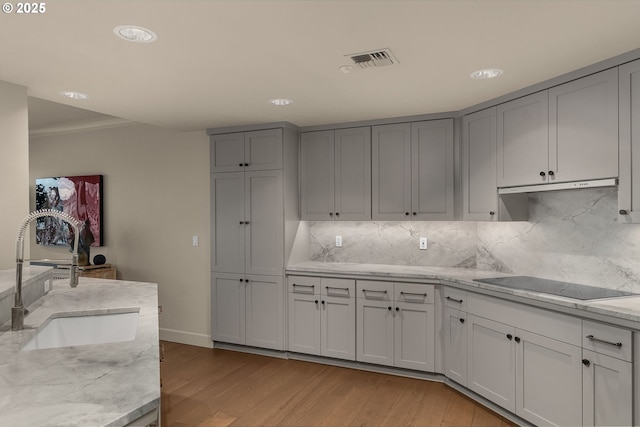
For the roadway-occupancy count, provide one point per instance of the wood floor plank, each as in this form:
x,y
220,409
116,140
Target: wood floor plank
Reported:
x,y
220,388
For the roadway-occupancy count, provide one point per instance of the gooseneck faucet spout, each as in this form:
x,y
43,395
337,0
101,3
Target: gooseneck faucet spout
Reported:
x,y
18,310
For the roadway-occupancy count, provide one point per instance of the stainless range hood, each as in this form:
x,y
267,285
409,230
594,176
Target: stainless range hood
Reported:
x,y
609,182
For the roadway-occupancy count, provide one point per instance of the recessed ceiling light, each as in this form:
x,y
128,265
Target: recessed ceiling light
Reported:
x,y
488,73
136,34
74,95
346,68
280,101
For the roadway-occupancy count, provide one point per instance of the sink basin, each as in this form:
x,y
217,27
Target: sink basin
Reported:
x,y
85,330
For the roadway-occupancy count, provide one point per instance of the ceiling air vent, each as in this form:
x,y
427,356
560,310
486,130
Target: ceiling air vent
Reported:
x,y
374,58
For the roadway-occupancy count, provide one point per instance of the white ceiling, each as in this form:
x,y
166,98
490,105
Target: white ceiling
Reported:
x,y
217,63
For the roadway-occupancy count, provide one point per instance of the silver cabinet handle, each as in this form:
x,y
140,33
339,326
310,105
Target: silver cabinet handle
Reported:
x,y
369,290
304,286
615,344
454,300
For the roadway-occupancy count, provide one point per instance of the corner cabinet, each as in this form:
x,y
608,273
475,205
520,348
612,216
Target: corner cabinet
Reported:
x,y
335,180
566,133
412,171
254,216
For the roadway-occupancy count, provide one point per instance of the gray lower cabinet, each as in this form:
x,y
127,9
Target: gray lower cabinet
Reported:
x,y
629,180
248,310
335,176
396,324
566,133
322,317
412,171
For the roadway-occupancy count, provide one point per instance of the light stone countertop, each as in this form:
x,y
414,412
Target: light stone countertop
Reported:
x,y
92,385
623,311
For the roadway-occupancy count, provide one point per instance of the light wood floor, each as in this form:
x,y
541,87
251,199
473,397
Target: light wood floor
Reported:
x,y
205,387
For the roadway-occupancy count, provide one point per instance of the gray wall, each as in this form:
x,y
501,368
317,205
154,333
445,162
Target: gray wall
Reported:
x,y
14,167
156,197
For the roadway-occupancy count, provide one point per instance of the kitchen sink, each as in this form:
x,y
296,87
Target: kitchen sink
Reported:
x,y
85,330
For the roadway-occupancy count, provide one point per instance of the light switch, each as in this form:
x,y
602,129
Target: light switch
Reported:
x,y
423,243
338,241
195,241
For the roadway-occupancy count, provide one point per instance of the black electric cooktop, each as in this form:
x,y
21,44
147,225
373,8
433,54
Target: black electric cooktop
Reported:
x,y
554,287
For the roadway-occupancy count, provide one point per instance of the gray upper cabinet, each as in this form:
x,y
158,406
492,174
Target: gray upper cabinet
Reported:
x,y
583,128
629,182
479,185
336,175
412,171
246,151
566,133
523,140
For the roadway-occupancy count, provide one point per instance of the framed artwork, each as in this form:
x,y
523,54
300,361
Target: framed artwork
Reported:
x,y
78,196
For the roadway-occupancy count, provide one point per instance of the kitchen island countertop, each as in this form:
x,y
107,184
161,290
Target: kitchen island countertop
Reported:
x,y
90,385
623,311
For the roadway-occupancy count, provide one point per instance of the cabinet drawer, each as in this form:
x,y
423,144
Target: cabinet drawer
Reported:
x,y
371,290
414,293
338,287
609,340
455,298
304,285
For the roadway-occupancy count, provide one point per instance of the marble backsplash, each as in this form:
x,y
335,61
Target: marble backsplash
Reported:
x,y
571,235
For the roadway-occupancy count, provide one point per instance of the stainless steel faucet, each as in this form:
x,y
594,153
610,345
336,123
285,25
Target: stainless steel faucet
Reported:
x,y
18,311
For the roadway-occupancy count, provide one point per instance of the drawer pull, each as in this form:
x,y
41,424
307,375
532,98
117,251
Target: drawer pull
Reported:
x,y
370,290
304,286
339,289
459,301
615,344
414,293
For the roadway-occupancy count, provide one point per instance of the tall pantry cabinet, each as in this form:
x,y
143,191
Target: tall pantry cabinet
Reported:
x,y
254,218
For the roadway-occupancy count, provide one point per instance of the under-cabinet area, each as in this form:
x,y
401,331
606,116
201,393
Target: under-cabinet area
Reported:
x,y
536,358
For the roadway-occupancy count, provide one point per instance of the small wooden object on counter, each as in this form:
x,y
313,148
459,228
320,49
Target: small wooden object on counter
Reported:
x,y
103,271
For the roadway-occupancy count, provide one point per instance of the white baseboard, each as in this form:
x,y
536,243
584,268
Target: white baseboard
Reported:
x,y
182,337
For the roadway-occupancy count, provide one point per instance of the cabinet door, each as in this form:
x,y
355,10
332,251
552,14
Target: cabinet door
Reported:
x,y
265,311
455,345
228,308
227,152
491,361
391,172
317,175
263,150
607,391
353,174
523,140
583,128
374,331
548,380
264,228
479,185
629,182
304,323
227,218
338,330
414,338
432,170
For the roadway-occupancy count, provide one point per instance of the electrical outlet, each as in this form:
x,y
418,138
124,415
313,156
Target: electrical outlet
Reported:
x,y
338,241
423,243
195,241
